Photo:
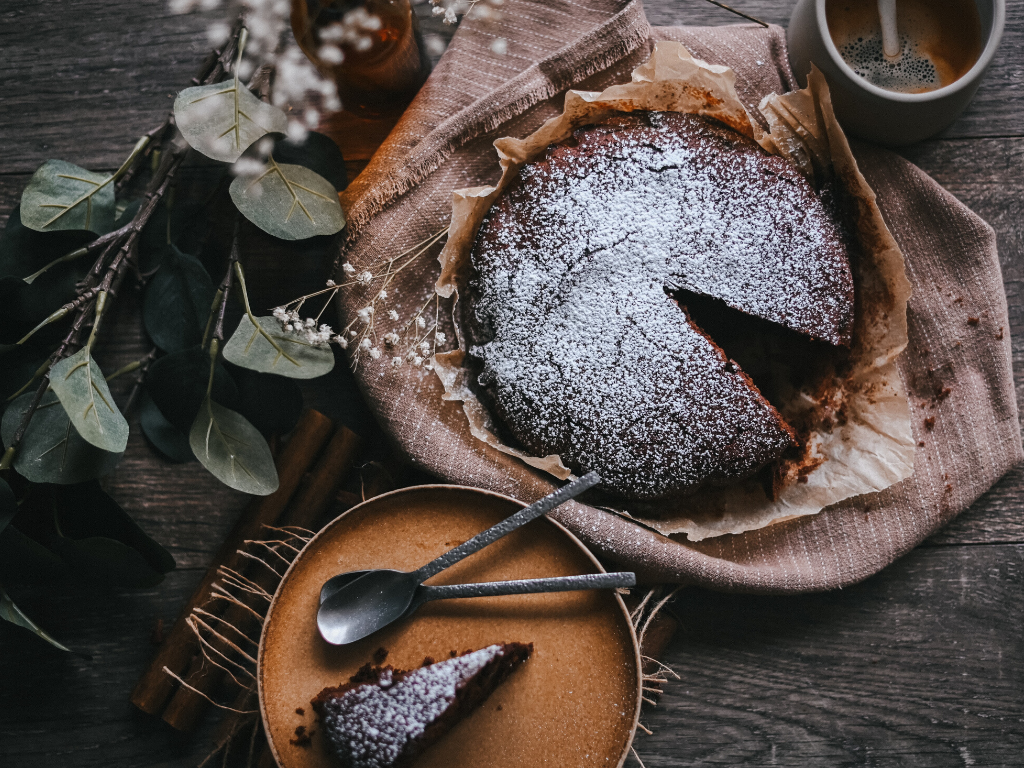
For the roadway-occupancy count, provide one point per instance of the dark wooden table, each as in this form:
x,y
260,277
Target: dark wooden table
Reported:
x,y
921,665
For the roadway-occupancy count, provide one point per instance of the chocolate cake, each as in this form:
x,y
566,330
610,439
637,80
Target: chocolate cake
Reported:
x,y
571,316
385,717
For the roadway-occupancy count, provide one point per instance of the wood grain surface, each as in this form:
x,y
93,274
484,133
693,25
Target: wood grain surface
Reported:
x,y
921,665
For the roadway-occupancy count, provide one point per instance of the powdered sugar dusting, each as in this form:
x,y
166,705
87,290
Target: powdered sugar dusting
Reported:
x,y
584,352
370,725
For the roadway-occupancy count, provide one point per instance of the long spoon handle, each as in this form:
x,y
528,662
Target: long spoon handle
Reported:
x,y
509,524
526,586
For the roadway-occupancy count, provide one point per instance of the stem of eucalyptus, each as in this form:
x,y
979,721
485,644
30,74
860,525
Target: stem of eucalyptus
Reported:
x,y
122,242
225,284
140,376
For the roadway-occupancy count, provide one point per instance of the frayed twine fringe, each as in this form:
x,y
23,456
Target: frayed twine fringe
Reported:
x,y
214,703
642,617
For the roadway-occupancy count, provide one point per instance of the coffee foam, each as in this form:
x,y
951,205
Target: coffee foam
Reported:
x,y
940,41
913,71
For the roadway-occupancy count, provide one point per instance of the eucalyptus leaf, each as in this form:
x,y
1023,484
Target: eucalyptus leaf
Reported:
x,y
293,356
166,438
24,306
177,302
82,390
52,451
12,613
61,195
23,559
233,450
223,119
8,504
289,201
317,152
97,537
17,369
177,383
270,403
24,251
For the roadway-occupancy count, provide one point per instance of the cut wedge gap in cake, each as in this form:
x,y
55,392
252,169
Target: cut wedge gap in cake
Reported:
x,y
780,363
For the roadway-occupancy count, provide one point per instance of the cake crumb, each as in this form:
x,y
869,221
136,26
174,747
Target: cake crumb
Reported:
x,y
929,423
300,711
920,443
302,738
1000,334
973,320
380,655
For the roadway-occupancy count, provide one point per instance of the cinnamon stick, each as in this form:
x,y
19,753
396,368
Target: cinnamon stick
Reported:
x,y
179,646
330,472
186,707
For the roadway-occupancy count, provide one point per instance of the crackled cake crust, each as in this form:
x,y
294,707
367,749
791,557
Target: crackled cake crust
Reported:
x,y
384,718
569,307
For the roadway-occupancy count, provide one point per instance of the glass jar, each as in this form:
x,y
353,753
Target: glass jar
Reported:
x,y
383,66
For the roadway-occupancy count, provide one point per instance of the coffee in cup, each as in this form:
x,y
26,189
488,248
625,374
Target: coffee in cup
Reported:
x,y
940,40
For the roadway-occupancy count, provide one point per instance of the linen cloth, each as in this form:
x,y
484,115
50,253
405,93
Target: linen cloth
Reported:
x,y
956,371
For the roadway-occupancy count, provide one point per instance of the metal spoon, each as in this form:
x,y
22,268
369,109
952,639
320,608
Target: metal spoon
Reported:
x,y
379,597
354,622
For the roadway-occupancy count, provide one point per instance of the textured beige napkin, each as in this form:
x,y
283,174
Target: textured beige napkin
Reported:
x,y
956,368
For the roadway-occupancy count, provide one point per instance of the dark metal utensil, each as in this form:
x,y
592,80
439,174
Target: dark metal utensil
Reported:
x,y
353,621
360,606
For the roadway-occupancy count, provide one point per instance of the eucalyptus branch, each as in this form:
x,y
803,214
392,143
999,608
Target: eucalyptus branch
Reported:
x,y
225,284
104,278
142,366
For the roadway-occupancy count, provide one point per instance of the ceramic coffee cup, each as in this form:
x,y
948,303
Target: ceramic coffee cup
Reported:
x,y
877,114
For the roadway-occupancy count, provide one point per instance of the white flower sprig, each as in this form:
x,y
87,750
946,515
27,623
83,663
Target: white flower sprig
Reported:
x,y
489,10
418,337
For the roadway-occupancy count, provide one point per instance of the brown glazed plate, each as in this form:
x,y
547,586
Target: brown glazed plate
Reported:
x,y
575,702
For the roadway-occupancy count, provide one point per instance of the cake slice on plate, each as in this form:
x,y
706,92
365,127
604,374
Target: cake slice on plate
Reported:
x,y
386,717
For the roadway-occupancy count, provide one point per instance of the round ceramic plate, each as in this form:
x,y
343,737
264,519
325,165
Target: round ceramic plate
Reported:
x,y
575,702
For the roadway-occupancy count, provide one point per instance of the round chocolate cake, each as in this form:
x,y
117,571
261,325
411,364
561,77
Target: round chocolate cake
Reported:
x,y
575,307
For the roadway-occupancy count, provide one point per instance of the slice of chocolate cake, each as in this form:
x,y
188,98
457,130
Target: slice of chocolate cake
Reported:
x,y
384,717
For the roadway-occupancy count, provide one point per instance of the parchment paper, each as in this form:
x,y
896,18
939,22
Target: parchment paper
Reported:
x,y
864,443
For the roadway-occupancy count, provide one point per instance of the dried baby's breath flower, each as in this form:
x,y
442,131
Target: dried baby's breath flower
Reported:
x,y
375,353
348,269
396,362
391,339
365,277
393,316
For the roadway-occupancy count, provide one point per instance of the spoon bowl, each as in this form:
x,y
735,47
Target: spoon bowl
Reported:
x,y
335,583
365,604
